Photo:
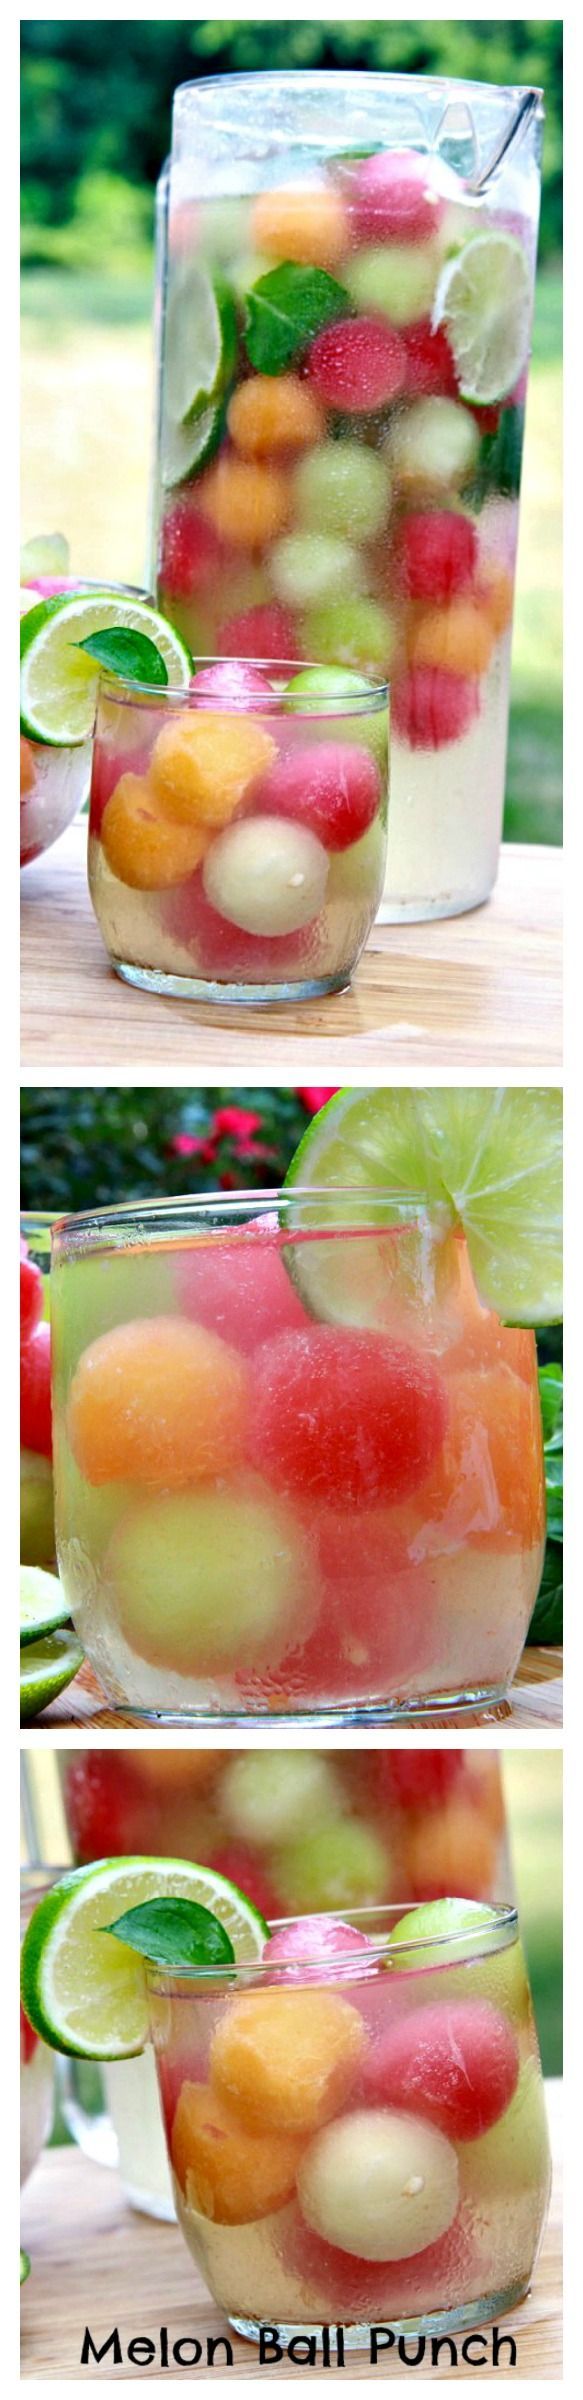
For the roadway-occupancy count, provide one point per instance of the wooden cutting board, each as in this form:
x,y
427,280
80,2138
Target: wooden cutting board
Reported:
x,y
478,991
96,2263
536,1699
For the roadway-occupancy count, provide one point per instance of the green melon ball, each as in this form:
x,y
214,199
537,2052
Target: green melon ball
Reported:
x,y
344,489
308,567
496,1973
37,1515
395,280
211,1580
370,729
436,1919
340,1865
357,874
222,229
514,2156
435,443
351,633
273,1796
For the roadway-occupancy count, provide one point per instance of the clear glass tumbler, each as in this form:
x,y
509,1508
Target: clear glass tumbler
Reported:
x,y
238,831
298,1465
346,274
361,2138
37,2064
37,1513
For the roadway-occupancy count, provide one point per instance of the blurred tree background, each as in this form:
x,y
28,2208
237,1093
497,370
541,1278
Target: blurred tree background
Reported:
x,y
96,127
88,1148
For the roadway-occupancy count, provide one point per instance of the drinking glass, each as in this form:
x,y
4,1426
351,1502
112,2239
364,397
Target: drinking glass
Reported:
x,y
37,2064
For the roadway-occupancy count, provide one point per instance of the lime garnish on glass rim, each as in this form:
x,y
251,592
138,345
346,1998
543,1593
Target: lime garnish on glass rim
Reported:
x,y
58,676
83,1987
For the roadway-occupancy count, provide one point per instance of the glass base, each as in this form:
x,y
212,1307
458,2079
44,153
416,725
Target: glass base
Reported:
x,y
230,995
420,912
149,2204
358,2337
355,1713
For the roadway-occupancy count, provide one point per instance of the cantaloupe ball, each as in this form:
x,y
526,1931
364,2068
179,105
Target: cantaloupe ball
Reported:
x,y
204,763
496,591
379,2184
272,413
27,768
307,225
287,2060
230,2175
489,1476
451,1849
140,846
247,503
434,443
460,638
211,1580
157,1402
395,279
266,875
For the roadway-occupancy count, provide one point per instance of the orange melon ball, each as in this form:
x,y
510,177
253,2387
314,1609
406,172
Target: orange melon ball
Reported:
x,y
491,1464
496,593
27,768
157,1402
226,2173
141,848
248,504
451,1850
287,2060
178,1770
272,413
307,225
459,638
203,764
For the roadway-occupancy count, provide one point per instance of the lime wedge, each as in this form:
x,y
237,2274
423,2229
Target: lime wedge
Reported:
x,y
45,1669
83,1990
42,1604
484,300
24,2265
490,1161
187,448
58,681
200,342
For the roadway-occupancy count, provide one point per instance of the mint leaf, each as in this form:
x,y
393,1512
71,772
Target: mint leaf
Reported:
x,y
500,458
550,1384
285,309
130,655
174,1933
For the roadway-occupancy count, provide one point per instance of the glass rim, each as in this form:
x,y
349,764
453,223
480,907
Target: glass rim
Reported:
x,y
454,1948
88,1226
373,77
370,700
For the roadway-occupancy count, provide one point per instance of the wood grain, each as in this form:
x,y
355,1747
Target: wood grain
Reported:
x,y
536,1698
481,991
96,2263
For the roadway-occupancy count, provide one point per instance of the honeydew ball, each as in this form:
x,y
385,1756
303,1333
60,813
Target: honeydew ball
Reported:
x,y
357,874
211,1580
379,2185
271,1796
514,2156
398,280
351,633
343,1864
435,443
266,875
343,489
311,566
440,1920
370,728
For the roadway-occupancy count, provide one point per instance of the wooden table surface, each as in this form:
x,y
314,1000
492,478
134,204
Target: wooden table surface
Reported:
x,y
479,991
536,1698
96,2263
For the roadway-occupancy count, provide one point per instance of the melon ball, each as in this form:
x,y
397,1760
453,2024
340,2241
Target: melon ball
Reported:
x,y
344,489
308,567
273,413
449,1847
233,680
394,198
266,875
453,2062
459,638
351,633
247,501
303,1951
240,1287
435,442
287,2060
357,875
212,1580
305,224
345,1416
37,1514
396,280
333,788
443,1920
437,554
343,1864
379,2184
273,1795
203,765
227,2174
514,2155
141,848
357,365
157,1401
431,707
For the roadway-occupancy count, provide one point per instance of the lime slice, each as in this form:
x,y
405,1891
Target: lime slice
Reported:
x,y
24,2265
200,342
484,300
186,449
42,1604
85,1991
58,681
45,1668
490,1161
46,554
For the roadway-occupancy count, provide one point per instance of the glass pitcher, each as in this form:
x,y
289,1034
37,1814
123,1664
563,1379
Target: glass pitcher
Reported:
x,y
342,378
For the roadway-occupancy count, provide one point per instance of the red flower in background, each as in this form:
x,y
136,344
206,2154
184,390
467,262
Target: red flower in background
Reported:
x,y
237,1124
315,1095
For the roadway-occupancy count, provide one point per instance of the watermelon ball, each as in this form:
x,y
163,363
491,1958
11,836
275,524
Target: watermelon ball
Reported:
x,y
334,788
35,1393
415,1779
430,370
455,2063
435,442
190,552
266,631
344,1416
351,633
357,364
308,567
343,489
378,1628
379,2184
234,682
392,198
437,554
396,281
203,1582
99,1805
237,1862
271,1795
302,1951
222,950
241,1288
266,876
430,707
31,1295
367,2292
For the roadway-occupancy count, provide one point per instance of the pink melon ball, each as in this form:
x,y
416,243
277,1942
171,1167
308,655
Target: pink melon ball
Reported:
x,y
333,788
345,1416
455,2063
241,1289
357,364
266,631
322,1941
223,952
233,681
392,198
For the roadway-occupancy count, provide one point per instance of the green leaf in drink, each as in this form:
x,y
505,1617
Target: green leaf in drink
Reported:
x,y
174,1933
286,309
130,655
